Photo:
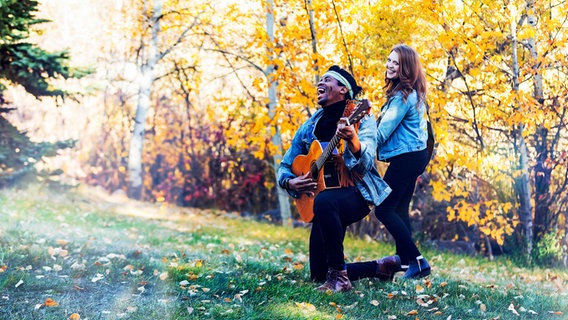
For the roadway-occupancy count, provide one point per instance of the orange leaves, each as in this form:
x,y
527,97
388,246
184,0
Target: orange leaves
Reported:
x,y
419,289
50,303
412,313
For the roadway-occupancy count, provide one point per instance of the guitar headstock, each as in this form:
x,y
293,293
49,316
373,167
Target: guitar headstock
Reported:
x,y
361,109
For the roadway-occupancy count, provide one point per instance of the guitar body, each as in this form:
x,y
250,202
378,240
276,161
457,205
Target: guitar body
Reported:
x,y
316,163
301,165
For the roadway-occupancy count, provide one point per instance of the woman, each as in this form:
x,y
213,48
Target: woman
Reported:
x,y
401,141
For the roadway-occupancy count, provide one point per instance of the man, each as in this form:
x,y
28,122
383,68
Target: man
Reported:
x,y
360,185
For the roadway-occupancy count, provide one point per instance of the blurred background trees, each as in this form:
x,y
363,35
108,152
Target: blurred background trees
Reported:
x,y
193,102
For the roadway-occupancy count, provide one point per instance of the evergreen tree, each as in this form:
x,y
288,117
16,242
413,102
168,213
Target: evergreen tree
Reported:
x,y
26,64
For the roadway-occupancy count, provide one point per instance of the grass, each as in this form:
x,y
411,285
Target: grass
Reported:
x,y
83,254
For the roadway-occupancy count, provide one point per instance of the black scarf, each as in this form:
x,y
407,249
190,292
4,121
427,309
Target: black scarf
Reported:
x,y
327,124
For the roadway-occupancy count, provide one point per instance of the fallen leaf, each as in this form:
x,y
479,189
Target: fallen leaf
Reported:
x,y
412,313
298,266
78,266
136,273
443,284
421,303
19,283
419,288
306,306
375,302
513,310
97,277
50,303
61,242
74,316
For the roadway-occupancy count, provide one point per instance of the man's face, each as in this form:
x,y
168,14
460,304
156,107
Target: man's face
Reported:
x,y
329,91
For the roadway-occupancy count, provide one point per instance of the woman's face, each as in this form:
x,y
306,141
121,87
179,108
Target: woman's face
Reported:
x,y
392,66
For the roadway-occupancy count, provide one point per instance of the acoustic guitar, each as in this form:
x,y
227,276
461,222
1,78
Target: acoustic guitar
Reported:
x,y
315,160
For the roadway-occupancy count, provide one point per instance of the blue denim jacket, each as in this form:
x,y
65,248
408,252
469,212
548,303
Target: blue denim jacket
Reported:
x,y
372,187
402,128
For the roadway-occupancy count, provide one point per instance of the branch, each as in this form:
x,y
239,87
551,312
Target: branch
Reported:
x,y
224,52
181,37
343,38
474,124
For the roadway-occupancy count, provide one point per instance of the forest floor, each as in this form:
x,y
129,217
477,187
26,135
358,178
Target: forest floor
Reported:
x,y
84,254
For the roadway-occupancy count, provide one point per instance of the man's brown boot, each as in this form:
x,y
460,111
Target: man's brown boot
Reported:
x,y
387,267
336,281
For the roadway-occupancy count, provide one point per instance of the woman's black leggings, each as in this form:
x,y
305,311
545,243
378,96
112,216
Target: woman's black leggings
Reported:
x,y
401,176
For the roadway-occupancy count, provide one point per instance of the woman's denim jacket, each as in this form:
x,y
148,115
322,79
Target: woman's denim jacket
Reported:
x,y
372,186
402,127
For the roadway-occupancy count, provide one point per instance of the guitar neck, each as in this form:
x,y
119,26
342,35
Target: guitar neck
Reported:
x,y
325,154
359,112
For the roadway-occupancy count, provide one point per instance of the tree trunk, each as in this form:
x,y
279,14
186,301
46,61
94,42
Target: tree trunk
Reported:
x,y
135,172
283,199
522,182
542,168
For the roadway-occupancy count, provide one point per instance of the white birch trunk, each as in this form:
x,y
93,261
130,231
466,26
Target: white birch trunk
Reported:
x,y
147,67
522,182
283,199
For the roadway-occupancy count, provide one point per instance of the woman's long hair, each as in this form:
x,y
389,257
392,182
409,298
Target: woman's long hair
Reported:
x,y
410,74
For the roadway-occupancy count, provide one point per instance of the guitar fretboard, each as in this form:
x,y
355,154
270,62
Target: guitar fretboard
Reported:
x,y
327,152
358,112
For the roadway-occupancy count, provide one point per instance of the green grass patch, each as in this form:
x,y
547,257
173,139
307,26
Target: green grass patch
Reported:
x,y
100,257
